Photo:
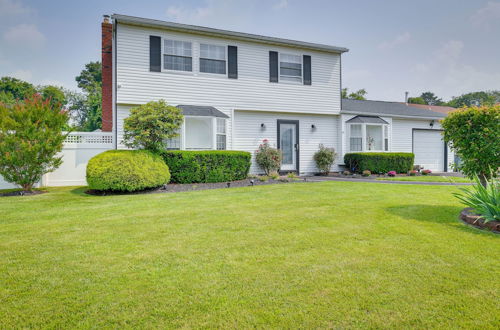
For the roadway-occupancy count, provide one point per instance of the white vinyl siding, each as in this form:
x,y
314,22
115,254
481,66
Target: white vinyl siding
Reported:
x,y
248,134
251,91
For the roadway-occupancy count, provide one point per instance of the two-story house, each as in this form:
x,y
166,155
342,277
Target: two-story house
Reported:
x,y
238,89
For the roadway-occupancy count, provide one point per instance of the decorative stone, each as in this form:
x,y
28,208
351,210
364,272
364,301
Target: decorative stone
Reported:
x,y
468,216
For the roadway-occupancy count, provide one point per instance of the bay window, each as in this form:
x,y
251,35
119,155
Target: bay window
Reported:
x,y
367,134
221,134
198,131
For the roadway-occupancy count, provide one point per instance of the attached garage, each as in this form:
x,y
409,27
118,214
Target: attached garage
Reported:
x,y
429,149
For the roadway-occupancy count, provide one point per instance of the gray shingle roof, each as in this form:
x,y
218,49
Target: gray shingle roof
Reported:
x,y
201,110
232,34
386,108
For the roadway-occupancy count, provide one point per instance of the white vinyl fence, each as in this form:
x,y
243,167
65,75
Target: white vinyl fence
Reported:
x,y
78,148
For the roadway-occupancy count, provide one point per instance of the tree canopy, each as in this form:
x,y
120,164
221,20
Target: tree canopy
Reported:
x,y
90,76
357,95
484,98
474,134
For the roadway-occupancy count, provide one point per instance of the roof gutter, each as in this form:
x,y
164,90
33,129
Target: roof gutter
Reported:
x,y
201,30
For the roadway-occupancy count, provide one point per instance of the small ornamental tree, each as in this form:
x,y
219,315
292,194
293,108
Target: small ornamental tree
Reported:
x,y
31,134
474,134
324,158
151,124
268,158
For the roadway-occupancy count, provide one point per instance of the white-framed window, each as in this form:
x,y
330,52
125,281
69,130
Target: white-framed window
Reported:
x,y
356,137
221,134
177,55
212,59
290,67
368,137
198,133
174,143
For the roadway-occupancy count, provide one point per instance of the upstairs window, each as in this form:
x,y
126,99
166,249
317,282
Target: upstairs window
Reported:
x,y
178,55
212,59
291,68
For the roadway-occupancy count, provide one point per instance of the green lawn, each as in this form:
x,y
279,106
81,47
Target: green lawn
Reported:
x,y
428,178
331,254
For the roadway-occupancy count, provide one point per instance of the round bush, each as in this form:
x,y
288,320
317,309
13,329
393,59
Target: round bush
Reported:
x,y
126,170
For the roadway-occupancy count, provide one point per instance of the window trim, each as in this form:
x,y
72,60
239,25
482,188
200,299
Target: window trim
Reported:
x,y
163,53
385,128
301,56
199,59
217,119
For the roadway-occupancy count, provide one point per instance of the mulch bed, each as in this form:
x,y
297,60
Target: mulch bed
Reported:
x,y
469,217
22,193
174,187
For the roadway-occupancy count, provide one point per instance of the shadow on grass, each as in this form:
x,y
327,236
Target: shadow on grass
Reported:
x,y
80,191
444,214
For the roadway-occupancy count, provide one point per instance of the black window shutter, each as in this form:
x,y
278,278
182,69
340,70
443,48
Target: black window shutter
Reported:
x,y
307,69
273,66
232,62
154,53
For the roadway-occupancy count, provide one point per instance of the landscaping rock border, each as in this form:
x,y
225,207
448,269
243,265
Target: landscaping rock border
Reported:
x,y
174,187
22,193
468,216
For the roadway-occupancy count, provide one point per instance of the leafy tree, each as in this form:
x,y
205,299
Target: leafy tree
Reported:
x,y
474,134
15,89
358,95
54,94
475,99
431,99
151,124
30,137
90,76
416,100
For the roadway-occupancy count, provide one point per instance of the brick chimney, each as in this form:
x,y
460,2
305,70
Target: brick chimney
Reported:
x,y
107,75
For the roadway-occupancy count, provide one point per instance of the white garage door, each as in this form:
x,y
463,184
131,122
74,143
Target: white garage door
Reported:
x,y
428,147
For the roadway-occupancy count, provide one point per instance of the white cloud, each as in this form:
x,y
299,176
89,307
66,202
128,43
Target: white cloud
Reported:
x,y
188,15
52,82
398,40
24,34
281,4
487,16
12,7
26,75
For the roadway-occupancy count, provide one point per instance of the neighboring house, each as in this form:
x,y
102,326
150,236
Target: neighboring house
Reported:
x,y
237,89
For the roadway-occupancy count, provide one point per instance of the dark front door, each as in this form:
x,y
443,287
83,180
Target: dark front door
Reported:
x,y
288,143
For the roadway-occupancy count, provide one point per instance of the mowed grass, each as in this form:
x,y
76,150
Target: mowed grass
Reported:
x,y
428,178
309,255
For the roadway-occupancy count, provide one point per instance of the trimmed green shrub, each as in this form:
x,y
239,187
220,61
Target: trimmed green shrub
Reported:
x,y
126,170
207,166
379,162
324,158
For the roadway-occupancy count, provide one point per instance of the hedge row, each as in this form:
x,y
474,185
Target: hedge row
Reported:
x,y
379,162
126,170
207,166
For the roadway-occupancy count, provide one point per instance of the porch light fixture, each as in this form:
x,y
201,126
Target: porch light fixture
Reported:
x,y
431,124
313,127
262,126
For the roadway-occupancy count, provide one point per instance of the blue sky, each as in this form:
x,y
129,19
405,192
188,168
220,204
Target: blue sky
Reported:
x,y
446,46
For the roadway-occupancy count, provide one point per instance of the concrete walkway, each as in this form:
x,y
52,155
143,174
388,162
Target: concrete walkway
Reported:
x,y
330,178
